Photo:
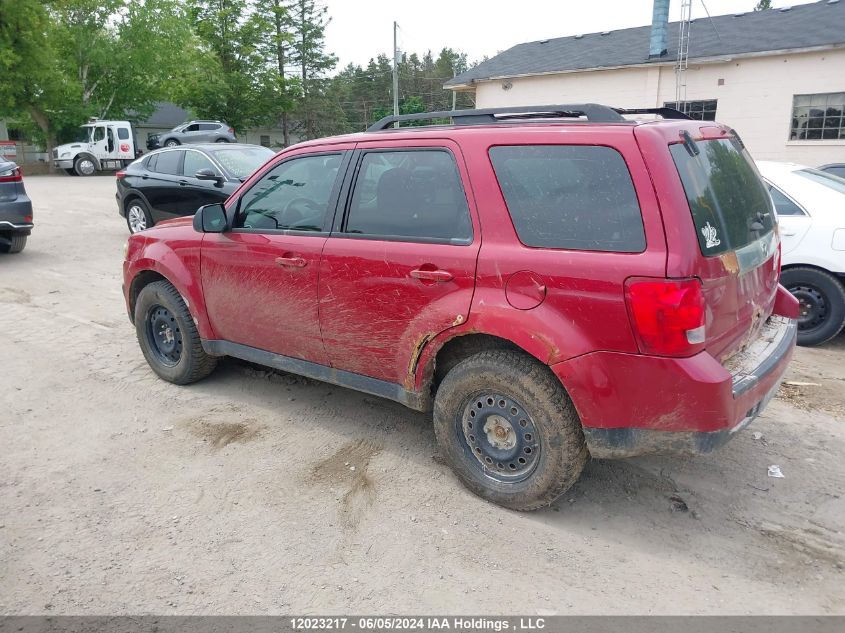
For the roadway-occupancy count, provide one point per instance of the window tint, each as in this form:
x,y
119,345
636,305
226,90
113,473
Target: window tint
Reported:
x,y
168,162
836,170
122,133
192,128
410,194
99,133
783,205
151,162
570,196
209,126
294,195
194,161
726,196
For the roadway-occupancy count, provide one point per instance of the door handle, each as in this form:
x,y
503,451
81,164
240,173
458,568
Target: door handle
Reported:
x,y
790,233
432,275
292,261
183,183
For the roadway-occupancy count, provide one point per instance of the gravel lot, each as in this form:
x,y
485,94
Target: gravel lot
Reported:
x,y
122,494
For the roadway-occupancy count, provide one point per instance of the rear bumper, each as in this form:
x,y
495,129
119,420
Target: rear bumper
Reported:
x,y
16,216
632,404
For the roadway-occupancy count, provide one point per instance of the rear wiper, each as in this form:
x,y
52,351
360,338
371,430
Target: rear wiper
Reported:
x,y
690,145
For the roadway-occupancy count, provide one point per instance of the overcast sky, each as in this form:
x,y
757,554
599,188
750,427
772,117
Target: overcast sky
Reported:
x,y
361,29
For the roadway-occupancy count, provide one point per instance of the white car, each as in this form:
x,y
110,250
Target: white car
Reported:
x,y
810,205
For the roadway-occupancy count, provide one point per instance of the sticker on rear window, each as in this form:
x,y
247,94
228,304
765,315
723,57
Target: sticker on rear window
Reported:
x,y
710,236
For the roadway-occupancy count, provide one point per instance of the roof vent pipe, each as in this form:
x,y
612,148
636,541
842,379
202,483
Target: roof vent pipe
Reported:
x,y
659,29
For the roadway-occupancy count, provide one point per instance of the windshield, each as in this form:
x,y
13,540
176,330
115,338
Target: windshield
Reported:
x,y
242,161
823,178
83,135
729,203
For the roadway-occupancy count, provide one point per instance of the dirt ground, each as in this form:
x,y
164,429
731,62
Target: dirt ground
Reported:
x,y
123,494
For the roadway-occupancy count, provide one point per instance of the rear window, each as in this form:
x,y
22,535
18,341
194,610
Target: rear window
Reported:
x,y
729,203
831,181
122,133
570,197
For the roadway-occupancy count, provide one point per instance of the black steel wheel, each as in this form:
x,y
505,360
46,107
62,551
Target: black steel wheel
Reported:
x,y
168,336
821,300
164,334
508,430
499,433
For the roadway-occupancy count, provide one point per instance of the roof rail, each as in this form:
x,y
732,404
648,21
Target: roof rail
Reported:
x,y
666,113
593,112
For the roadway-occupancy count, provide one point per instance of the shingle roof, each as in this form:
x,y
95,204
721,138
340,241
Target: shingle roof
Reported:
x,y
804,26
167,114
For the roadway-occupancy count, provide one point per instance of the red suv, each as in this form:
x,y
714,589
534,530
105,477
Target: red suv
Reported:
x,y
554,282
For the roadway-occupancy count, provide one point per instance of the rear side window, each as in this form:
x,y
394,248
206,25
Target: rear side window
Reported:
x,y
783,204
412,194
169,163
122,133
209,126
729,203
578,197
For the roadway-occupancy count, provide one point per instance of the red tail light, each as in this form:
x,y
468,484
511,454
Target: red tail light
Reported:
x,y
667,315
11,175
231,130
120,174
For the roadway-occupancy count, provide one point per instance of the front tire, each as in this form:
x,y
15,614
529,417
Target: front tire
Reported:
x,y
822,303
508,429
138,216
168,337
16,244
84,166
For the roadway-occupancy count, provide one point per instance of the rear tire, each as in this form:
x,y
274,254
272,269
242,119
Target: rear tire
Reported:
x,y
508,429
822,303
172,142
138,216
16,245
168,337
222,140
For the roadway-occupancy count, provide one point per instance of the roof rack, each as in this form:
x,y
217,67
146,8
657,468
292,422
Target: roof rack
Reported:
x,y
666,113
593,112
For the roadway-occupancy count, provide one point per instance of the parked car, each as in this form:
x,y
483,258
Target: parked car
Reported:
x,y
552,288
837,169
15,208
193,132
811,206
173,182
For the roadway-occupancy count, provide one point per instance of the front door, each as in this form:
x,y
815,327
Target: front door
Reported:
x,y
400,266
260,278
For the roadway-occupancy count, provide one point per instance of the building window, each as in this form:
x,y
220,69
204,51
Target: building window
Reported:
x,y
265,140
699,110
818,117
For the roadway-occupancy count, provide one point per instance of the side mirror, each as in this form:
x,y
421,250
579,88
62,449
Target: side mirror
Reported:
x,y
210,218
208,174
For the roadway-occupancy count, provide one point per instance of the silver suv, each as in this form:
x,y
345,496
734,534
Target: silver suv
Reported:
x,y
198,132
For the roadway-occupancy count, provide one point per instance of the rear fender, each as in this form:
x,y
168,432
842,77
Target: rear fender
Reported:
x,y
530,330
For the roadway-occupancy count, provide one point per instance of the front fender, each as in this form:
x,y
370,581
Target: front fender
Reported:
x,y
180,265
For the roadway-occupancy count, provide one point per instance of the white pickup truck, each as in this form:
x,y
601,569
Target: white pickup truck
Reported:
x,y
102,145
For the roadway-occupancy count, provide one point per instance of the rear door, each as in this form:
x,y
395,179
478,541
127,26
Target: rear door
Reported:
x,y
399,267
167,197
792,219
736,252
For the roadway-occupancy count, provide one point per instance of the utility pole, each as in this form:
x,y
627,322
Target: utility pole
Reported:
x,y
395,75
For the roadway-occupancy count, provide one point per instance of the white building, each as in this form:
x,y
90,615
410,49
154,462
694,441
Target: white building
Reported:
x,y
776,76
